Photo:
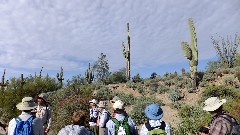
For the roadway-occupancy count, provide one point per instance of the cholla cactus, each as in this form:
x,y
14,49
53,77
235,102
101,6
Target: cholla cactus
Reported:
x,y
191,53
89,74
126,53
60,77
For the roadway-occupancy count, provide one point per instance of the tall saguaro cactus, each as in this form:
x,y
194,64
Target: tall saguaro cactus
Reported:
x,y
22,80
60,77
126,53
89,74
191,53
3,84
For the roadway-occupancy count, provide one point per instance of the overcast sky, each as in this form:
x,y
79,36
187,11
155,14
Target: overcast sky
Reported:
x,y
72,33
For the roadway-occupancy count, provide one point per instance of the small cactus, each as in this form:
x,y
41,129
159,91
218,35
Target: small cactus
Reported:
x,y
89,74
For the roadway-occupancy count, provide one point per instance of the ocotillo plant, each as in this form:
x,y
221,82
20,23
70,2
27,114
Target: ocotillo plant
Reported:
x,y
22,80
60,77
126,53
89,75
191,53
3,84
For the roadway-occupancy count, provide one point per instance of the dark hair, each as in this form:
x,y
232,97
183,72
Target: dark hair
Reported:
x,y
79,118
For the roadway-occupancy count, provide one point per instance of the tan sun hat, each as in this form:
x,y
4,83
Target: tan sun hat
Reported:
x,y
102,104
115,98
43,96
118,105
26,104
213,103
93,101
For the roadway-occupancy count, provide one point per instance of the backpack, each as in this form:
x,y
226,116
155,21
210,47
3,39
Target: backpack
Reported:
x,y
24,127
122,127
159,130
234,125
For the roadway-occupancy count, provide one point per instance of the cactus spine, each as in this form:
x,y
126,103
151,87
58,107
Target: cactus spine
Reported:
x,y
191,53
60,77
126,53
89,75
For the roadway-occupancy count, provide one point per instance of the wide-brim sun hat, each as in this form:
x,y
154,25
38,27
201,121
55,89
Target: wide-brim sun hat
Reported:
x,y
118,105
153,112
26,104
102,104
93,101
213,103
115,98
43,96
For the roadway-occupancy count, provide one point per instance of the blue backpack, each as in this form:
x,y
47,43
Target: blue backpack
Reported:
x,y
24,127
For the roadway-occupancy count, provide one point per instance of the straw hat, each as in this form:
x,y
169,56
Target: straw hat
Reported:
x,y
43,96
153,112
93,101
26,104
118,105
213,103
115,98
102,104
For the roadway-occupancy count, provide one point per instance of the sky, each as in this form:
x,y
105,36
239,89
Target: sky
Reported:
x,y
73,33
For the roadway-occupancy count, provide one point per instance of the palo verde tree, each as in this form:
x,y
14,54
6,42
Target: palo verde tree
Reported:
x,y
101,68
226,50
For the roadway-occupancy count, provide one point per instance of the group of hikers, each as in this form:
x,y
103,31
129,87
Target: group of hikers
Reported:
x,y
35,119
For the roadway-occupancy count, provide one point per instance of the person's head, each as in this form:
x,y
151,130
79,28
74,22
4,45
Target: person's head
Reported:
x,y
101,105
119,107
153,112
93,103
27,104
79,118
214,105
42,99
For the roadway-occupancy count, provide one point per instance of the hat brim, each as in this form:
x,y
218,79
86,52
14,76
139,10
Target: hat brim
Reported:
x,y
153,117
215,107
21,107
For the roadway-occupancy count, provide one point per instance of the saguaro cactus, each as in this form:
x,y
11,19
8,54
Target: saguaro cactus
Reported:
x,y
60,77
40,74
191,53
3,84
89,74
22,80
126,53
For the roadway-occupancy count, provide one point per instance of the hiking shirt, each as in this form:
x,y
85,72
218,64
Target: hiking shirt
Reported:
x,y
220,126
93,116
110,126
36,125
104,116
155,123
45,113
75,130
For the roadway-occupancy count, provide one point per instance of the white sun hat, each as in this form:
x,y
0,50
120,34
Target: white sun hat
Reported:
x,y
93,101
26,104
118,105
213,103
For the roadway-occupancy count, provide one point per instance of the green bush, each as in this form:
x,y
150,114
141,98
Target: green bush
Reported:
x,y
174,95
117,77
162,89
137,78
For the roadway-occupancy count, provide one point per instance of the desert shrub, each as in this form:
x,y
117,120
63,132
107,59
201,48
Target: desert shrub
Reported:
x,y
131,84
174,95
237,73
117,77
137,78
177,105
162,89
192,118
140,88
212,66
128,99
209,76
103,93
153,87
137,112
228,81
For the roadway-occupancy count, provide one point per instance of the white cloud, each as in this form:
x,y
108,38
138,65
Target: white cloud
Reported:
x,y
69,33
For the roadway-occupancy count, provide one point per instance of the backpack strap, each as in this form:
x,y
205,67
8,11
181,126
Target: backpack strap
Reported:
x,y
162,126
123,123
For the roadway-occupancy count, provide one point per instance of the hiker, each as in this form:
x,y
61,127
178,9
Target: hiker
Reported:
x,y
44,112
103,117
121,123
16,124
222,123
155,125
112,101
93,116
77,127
